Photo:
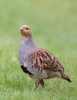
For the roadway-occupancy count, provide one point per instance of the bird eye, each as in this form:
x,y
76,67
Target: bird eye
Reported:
x,y
26,28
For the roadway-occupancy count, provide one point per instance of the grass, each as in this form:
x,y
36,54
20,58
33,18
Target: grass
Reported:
x,y
54,25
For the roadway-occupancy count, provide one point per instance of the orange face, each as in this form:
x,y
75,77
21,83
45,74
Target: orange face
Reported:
x,y
25,30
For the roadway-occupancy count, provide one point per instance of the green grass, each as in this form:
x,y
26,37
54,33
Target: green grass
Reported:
x,y
54,26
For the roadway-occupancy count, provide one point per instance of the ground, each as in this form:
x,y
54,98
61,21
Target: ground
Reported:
x,y
54,26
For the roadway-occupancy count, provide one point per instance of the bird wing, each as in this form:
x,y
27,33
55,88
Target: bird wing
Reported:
x,y
42,59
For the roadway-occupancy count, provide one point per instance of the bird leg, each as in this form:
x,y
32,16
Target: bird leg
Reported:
x,y
42,83
36,83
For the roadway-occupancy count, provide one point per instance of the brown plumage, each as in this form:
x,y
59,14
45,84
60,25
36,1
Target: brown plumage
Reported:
x,y
37,62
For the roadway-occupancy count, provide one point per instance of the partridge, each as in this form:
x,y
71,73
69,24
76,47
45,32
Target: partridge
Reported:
x,y
37,62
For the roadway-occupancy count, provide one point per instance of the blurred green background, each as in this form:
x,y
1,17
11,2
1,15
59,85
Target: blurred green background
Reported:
x,y
54,26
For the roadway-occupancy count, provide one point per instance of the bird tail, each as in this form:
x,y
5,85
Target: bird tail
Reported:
x,y
66,78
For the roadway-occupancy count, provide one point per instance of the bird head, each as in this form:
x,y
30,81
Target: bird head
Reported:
x,y
25,30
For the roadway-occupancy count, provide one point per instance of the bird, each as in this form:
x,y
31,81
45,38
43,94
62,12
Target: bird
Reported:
x,y
38,62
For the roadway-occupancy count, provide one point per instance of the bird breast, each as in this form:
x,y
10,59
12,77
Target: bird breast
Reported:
x,y
24,51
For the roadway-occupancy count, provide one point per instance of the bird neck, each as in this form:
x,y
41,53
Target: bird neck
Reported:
x,y
28,40
23,38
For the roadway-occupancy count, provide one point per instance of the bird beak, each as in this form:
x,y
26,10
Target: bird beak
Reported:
x,y
21,28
